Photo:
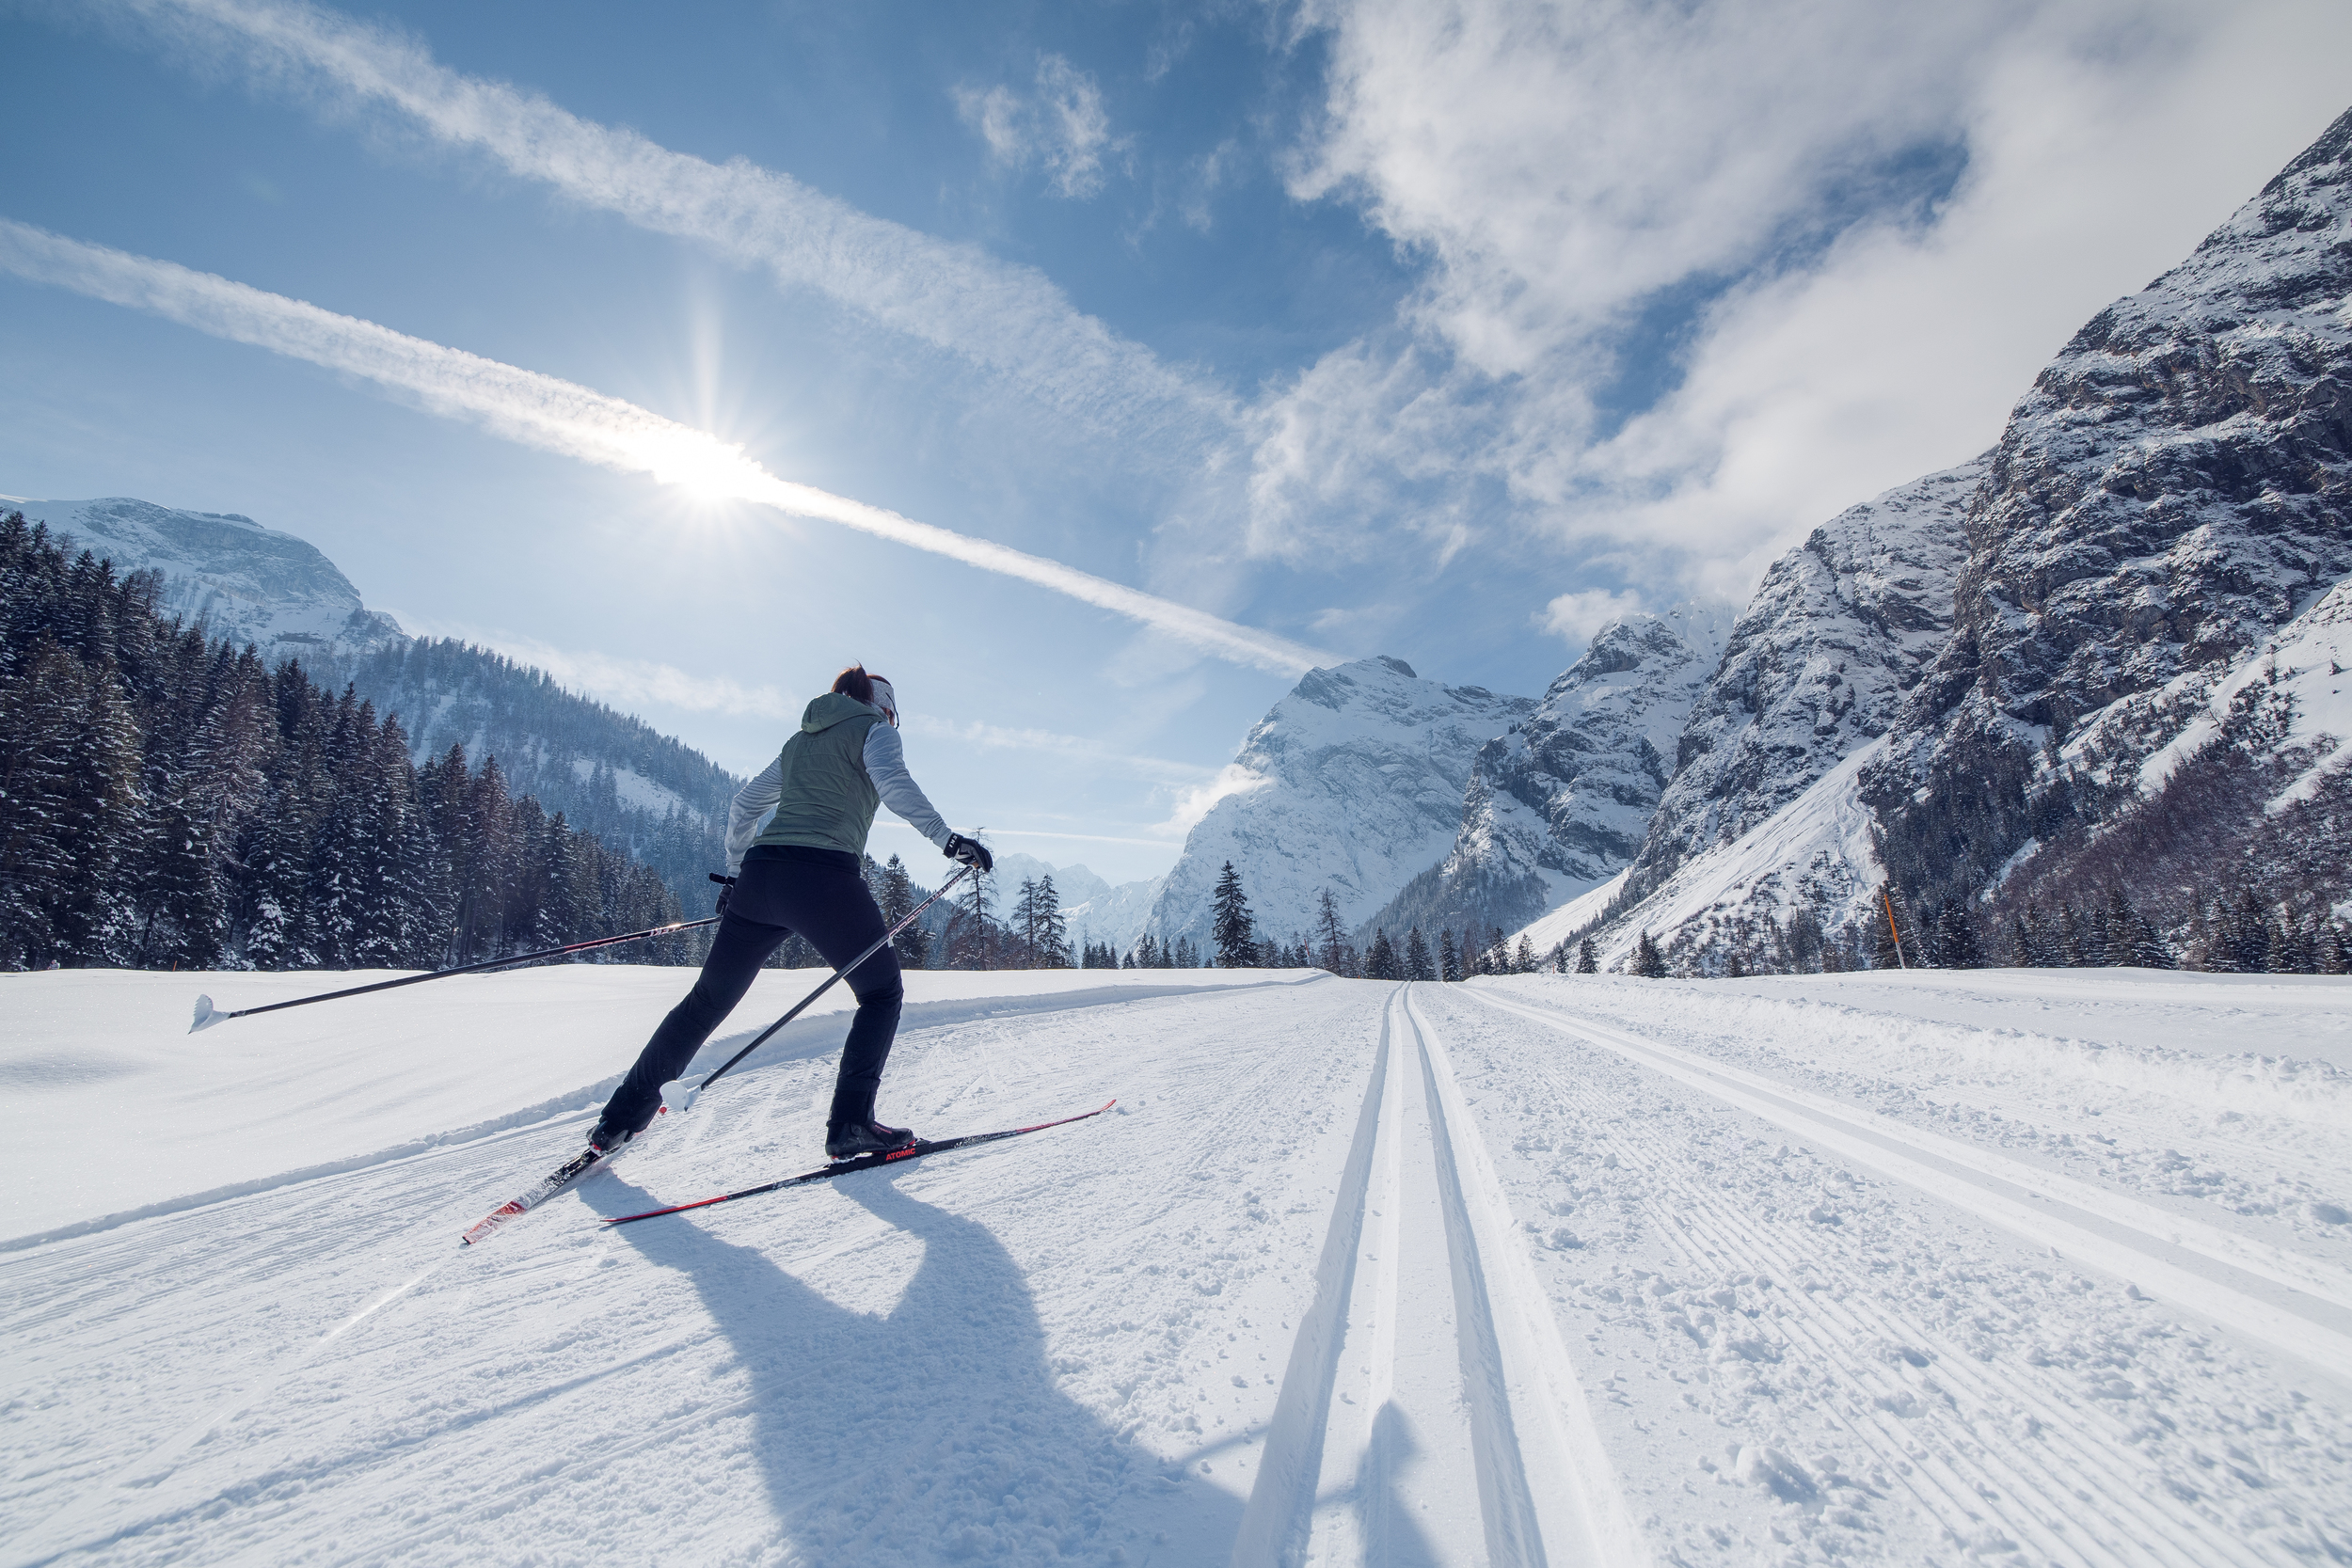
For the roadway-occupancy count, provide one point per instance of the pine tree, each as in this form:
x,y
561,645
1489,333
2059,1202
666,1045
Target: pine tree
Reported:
x,y
1231,926
1956,946
1380,963
1333,940
1417,964
1587,957
1648,962
1449,957
897,901
1523,960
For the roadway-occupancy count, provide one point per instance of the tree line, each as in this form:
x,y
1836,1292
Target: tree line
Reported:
x,y
171,800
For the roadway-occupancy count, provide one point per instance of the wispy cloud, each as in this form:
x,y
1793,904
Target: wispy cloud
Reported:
x,y
1196,803
559,416
1074,747
1061,126
1577,616
1007,319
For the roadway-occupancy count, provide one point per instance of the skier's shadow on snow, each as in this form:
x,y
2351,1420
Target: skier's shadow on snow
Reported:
x,y
934,1431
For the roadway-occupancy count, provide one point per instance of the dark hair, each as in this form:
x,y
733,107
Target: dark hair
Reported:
x,y
857,683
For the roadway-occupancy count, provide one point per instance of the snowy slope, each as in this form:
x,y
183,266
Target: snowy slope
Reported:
x,y
1359,776
1558,803
244,581
1838,632
1535,1269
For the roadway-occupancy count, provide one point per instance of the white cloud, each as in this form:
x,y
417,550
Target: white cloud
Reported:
x,y
1062,127
557,416
1195,804
1564,168
1577,616
1010,320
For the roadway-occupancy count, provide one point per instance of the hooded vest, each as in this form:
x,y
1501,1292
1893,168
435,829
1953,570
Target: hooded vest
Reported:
x,y
828,801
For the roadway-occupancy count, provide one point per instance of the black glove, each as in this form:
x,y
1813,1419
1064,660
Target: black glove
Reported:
x,y
971,851
726,887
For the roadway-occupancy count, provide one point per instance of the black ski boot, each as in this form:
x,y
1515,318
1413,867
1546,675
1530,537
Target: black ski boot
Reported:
x,y
607,1138
847,1140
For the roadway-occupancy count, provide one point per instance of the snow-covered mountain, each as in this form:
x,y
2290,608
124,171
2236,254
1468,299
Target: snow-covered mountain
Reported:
x,y
1116,915
1354,782
1557,805
244,581
1073,884
609,773
2171,493
2100,657
1816,668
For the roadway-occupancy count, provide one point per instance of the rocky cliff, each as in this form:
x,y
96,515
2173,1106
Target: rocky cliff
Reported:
x,y
1558,803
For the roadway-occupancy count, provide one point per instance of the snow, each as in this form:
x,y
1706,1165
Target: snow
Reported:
x,y
1816,852
2002,1266
634,788
242,580
1366,764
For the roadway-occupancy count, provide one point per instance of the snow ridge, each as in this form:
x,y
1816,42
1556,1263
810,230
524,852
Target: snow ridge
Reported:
x,y
1558,803
1360,772
241,580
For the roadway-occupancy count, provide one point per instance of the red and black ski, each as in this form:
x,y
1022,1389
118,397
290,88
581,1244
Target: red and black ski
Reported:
x,y
864,1162
544,1188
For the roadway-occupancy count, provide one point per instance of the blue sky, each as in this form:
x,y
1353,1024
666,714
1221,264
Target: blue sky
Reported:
x,y
1438,330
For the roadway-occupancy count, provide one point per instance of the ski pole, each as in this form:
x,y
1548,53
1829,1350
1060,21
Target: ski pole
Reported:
x,y
821,991
206,1015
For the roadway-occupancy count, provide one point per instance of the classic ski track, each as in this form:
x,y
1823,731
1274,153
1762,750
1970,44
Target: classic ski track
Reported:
x,y
1862,1137
1546,1491
1955,1486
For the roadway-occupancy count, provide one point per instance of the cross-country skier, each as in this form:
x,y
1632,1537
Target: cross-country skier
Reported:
x,y
803,875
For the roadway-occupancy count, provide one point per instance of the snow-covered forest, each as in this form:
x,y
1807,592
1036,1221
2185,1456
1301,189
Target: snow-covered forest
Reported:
x,y
171,801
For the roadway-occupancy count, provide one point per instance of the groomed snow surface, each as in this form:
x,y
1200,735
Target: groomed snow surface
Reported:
x,y
2036,1267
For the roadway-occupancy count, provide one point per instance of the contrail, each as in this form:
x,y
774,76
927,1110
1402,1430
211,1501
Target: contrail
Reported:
x,y
1010,319
557,416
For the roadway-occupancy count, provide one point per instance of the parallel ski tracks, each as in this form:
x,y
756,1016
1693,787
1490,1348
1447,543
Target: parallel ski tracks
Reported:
x,y
2087,1501
1546,1491
2290,1303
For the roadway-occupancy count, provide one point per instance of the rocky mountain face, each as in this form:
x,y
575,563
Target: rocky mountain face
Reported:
x,y
1356,778
1116,915
244,581
2175,489
1558,803
1819,665
2103,657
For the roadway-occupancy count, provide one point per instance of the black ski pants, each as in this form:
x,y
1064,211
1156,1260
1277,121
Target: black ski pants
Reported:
x,y
782,889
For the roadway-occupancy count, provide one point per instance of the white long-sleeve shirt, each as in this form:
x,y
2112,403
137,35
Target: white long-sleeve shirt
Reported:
x,y
885,765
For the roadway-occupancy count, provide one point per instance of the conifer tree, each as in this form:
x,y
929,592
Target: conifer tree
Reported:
x,y
1649,963
897,901
1380,963
1449,957
1231,926
1417,962
1587,957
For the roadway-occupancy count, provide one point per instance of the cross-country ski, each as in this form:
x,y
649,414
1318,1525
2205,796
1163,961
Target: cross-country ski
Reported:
x,y
854,1164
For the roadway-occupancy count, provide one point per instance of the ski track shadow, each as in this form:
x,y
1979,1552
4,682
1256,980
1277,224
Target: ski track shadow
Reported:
x,y
934,1433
